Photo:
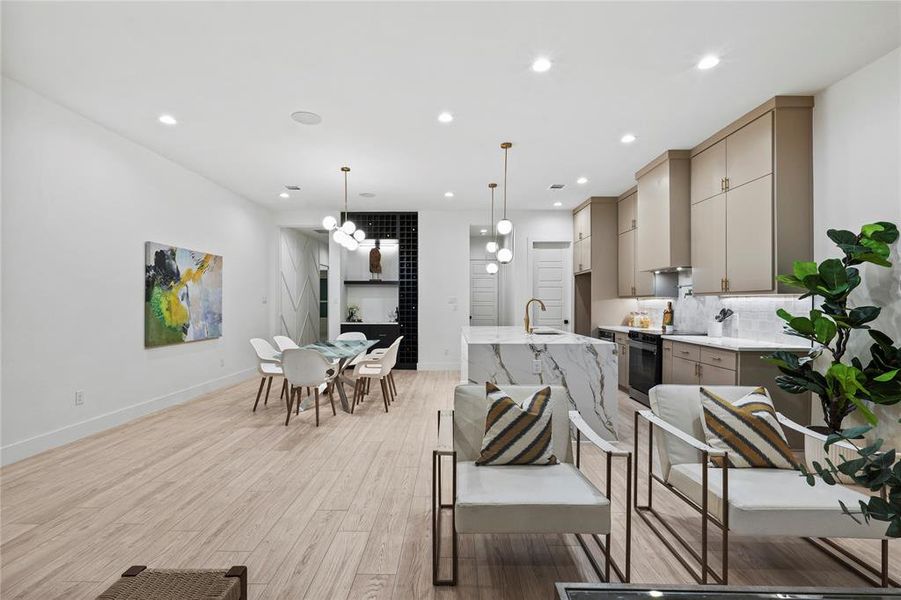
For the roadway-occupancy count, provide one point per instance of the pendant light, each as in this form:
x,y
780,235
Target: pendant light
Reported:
x,y
347,235
505,225
491,247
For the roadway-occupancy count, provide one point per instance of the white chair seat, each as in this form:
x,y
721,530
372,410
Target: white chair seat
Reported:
x,y
528,499
365,370
270,369
777,502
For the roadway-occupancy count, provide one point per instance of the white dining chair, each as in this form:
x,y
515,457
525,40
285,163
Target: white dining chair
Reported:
x,y
380,368
307,368
268,366
284,343
352,336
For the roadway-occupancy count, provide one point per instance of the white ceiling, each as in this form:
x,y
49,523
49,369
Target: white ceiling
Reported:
x,y
379,74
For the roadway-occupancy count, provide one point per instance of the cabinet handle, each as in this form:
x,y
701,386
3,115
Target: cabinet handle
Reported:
x,y
684,352
716,358
727,184
633,223
727,284
722,184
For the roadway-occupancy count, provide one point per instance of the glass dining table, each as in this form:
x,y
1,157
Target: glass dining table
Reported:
x,y
342,352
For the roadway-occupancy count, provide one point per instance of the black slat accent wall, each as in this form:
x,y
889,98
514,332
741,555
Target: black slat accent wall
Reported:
x,y
404,227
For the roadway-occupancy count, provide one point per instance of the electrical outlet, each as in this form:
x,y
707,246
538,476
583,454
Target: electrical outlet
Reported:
x,y
221,362
536,367
265,300
79,398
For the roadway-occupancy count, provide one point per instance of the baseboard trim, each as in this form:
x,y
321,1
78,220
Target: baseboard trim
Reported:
x,y
438,366
26,448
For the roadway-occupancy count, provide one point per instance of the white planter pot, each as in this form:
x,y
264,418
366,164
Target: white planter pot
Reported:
x,y
813,451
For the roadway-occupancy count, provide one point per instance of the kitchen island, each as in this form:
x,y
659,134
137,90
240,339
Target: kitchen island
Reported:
x,y
585,366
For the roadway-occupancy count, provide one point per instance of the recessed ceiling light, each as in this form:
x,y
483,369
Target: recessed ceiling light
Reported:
x,y
305,117
582,180
558,204
445,117
168,120
628,138
708,62
284,195
541,65
367,195
448,194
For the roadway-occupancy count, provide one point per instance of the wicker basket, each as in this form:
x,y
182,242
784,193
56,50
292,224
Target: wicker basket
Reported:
x,y
141,583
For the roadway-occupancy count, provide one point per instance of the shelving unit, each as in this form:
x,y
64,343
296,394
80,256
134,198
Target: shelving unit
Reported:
x,y
371,282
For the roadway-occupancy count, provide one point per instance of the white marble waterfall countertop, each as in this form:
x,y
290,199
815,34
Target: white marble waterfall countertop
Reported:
x,y
518,335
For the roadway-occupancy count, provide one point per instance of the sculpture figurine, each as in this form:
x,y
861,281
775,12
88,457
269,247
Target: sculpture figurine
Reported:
x,y
375,262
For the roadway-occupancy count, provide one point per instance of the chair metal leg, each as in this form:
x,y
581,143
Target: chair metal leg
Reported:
x,y
268,385
259,393
436,517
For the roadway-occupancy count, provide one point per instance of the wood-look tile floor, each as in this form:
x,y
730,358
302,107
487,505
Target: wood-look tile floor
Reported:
x,y
339,511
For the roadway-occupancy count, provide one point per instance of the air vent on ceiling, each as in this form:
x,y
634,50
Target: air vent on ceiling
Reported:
x,y
293,188
556,186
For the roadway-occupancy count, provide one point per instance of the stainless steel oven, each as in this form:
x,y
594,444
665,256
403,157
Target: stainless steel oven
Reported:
x,y
645,364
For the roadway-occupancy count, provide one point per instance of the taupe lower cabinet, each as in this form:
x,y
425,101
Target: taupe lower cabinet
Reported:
x,y
692,364
752,199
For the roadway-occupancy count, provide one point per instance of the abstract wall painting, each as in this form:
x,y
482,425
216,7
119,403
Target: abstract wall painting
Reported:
x,y
182,295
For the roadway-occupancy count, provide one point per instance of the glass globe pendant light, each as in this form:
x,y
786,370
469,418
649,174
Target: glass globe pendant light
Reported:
x,y
491,247
505,225
347,235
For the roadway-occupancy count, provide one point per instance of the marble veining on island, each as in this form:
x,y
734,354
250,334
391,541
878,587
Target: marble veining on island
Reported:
x,y
586,367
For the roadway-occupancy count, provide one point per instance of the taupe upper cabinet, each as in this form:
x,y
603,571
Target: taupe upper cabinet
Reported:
x,y
752,199
626,211
582,223
663,214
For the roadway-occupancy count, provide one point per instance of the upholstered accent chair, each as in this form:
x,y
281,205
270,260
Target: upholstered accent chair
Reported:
x,y
747,501
522,499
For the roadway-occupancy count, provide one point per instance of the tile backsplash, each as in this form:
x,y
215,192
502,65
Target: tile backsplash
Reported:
x,y
755,316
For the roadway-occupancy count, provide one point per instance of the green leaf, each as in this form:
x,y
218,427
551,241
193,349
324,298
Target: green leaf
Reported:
x,y
887,376
880,338
855,433
784,314
802,325
862,315
791,280
842,236
832,272
868,415
889,233
825,330
869,230
804,269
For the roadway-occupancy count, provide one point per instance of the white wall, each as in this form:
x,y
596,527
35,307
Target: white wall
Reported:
x,y
857,180
444,246
79,203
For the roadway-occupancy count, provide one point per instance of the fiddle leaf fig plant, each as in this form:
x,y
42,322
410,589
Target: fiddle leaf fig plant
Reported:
x,y
846,384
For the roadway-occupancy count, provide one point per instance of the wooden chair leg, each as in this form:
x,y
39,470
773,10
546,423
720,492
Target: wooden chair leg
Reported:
x,y
259,393
331,398
316,391
353,401
384,393
297,404
268,385
284,388
288,402
391,381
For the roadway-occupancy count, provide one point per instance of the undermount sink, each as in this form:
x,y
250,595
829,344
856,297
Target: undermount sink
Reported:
x,y
544,332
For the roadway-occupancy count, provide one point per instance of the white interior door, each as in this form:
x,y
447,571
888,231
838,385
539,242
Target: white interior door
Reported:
x,y
482,295
549,283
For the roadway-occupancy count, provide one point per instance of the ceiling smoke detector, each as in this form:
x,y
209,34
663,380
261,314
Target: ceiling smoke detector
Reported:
x,y
556,186
305,117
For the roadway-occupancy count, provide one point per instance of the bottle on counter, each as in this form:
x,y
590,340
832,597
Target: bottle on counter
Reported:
x,y
668,318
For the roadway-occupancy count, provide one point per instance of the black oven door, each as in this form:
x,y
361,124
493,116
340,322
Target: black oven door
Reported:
x,y
644,369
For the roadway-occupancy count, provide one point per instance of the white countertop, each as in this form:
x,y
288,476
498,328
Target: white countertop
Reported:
x,y
518,335
726,343
736,344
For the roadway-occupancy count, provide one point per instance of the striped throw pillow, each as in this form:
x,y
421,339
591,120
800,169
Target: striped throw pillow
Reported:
x,y
517,434
747,429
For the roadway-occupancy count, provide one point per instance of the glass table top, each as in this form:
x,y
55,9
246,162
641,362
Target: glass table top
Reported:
x,y
341,349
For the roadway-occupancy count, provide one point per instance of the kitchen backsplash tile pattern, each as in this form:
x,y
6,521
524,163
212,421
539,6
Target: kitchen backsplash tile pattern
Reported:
x,y
754,316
